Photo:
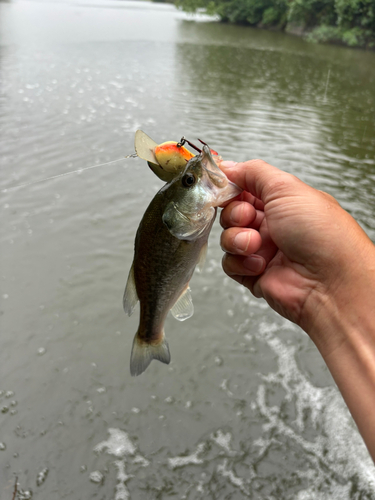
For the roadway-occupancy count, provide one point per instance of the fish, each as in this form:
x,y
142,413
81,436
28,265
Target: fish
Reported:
x,y
171,241
167,159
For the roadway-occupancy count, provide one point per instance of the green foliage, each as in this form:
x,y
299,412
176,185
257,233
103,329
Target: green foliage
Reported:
x,y
311,12
351,22
276,14
325,33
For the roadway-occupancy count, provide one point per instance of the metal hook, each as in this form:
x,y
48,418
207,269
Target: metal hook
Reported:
x,y
184,140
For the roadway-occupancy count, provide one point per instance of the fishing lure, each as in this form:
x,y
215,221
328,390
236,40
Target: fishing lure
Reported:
x,y
167,159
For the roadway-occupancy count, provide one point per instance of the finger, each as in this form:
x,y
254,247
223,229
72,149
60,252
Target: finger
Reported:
x,y
259,178
268,249
236,266
257,222
251,283
250,198
237,213
240,241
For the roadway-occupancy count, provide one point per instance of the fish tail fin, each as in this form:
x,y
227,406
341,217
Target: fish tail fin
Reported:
x,y
143,353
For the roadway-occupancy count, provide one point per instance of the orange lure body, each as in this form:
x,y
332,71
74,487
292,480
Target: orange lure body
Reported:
x,y
167,159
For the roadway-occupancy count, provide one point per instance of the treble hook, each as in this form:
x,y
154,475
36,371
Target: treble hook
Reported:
x,y
184,140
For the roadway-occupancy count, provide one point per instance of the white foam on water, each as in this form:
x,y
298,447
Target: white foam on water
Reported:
x,y
42,476
336,491
223,440
233,479
122,492
292,380
338,453
119,445
224,386
192,459
138,459
96,477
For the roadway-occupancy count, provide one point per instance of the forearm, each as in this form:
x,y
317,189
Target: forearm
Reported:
x,y
353,368
344,332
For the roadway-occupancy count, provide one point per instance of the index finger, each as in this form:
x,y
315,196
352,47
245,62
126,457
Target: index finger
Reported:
x,y
259,178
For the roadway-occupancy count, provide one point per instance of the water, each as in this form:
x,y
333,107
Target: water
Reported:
x,y
247,408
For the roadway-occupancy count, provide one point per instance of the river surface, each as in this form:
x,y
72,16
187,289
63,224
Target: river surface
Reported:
x,y
247,408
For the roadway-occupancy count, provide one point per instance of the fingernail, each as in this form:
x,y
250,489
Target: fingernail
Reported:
x,y
241,240
228,164
253,263
236,213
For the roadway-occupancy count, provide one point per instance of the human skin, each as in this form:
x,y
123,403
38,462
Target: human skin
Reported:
x,y
308,258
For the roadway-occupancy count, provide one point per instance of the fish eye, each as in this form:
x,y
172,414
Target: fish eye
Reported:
x,y
189,180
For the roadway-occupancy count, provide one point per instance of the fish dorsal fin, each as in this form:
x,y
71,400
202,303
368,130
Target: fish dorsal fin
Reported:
x,y
183,308
145,146
202,257
130,295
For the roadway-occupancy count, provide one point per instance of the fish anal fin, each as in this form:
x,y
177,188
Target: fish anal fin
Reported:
x,y
130,295
143,353
183,308
202,257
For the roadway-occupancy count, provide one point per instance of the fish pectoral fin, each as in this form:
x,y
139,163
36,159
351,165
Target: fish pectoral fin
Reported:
x,y
143,353
183,308
184,228
202,257
130,295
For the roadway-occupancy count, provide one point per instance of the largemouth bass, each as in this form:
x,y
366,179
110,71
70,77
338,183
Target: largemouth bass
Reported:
x,y
171,240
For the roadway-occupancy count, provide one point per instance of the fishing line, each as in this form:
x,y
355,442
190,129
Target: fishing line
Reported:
x,y
134,155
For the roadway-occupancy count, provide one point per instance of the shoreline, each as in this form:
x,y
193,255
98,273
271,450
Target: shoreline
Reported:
x,y
301,32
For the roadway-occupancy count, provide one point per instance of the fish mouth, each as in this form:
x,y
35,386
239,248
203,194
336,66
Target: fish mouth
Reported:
x,y
223,195
217,177
221,189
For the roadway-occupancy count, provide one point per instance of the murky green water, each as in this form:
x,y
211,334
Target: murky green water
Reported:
x,y
246,409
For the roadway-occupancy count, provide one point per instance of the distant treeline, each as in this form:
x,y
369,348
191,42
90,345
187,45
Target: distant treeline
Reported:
x,y
350,22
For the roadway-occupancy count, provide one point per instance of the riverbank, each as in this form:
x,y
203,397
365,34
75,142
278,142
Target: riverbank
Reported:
x,y
327,34
336,21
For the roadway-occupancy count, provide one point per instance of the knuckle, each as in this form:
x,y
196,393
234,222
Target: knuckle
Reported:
x,y
328,197
256,163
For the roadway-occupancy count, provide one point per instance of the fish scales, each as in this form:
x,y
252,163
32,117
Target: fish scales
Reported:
x,y
162,268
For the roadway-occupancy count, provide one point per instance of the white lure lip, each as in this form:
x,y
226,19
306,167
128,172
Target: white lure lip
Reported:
x,y
144,147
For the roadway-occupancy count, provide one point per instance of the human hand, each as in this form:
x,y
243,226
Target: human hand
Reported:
x,y
296,247
292,245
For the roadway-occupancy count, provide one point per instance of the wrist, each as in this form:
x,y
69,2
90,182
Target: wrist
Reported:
x,y
344,311
341,308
